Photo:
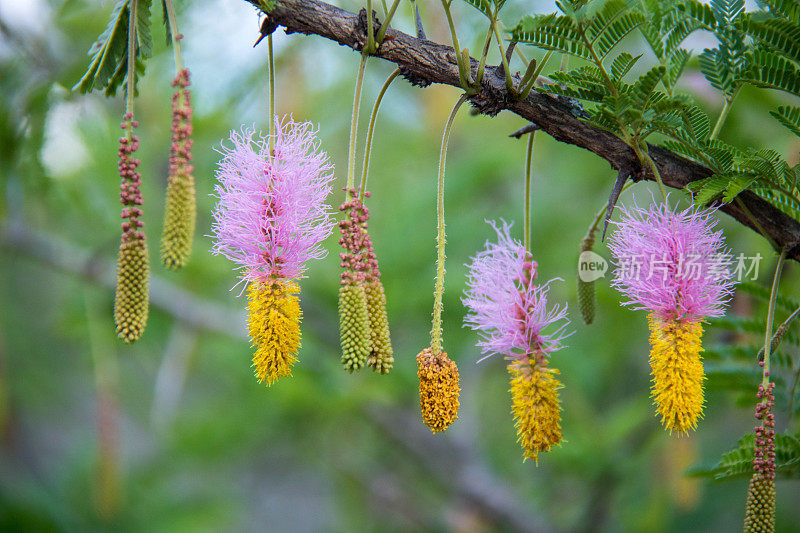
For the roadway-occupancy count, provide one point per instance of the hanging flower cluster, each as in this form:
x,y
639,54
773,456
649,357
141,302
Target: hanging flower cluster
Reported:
x,y
674,265
363,323
511,314
760,506
131,303
270,219
180,210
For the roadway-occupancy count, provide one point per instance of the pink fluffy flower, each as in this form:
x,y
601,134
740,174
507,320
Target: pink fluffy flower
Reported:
x,y
672,262
508,310
271,216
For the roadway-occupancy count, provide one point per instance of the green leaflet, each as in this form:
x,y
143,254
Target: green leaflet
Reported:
x,y
109,53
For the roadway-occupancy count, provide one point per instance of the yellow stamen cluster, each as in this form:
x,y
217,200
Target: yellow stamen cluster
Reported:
x,y
438,389
677,372
179,220
131,303
274,326
535,406
759,514
354,330
381,356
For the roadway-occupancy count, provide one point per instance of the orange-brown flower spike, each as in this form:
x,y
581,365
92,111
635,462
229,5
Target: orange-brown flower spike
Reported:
x,y
439,389
677,372
535,406
274,327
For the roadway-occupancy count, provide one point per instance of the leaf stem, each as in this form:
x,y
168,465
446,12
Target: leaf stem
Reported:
x,y
438,292
482,62
723,115
771,316
462,69
351,158
526,212
370,130
385,26
509,84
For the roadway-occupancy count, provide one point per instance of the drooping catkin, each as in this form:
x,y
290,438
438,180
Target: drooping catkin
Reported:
x,y
354,330
381,355
760,506
587,300
132,299
439,389
535,406
180,209
274,327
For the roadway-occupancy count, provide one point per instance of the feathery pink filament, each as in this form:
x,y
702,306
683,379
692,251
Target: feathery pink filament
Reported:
x,y
671,262
271,216
507,309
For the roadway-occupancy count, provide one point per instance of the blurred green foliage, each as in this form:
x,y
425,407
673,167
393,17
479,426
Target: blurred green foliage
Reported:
x,y
174,434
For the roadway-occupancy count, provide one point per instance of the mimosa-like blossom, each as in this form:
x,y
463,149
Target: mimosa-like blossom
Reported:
x,y
271,216
506,308
673,264
270,219
510,313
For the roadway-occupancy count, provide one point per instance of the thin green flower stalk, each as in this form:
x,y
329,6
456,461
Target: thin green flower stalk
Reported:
x,y
439,388
181,211
526,213
354,330
381,353
132,299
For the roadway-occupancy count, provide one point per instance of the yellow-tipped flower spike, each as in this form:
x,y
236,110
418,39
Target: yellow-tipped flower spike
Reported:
x,y
381,356
132,300
274,326
760,507
438,389
677,371
535,406
354,331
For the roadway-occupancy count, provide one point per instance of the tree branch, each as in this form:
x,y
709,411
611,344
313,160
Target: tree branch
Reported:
x,y
423,62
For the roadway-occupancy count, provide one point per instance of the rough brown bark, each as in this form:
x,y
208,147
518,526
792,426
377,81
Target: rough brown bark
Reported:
x,y
423,62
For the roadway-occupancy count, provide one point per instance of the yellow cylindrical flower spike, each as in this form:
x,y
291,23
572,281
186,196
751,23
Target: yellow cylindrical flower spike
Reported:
x,y
535,406
274,326
760,508
381,356
677,372
354,330
179,220
131,303
439,389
